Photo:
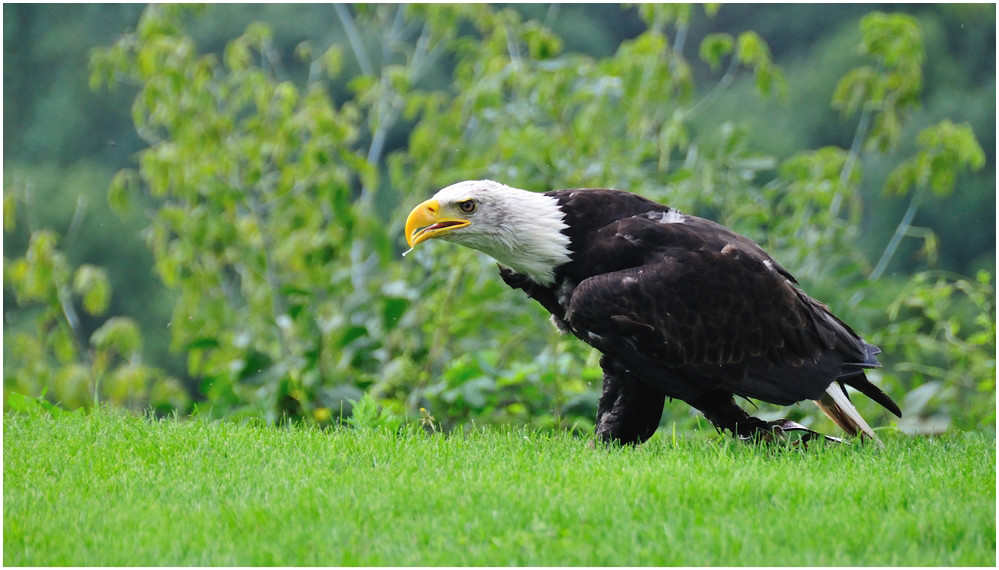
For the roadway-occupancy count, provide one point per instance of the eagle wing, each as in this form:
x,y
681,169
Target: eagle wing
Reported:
x,y
697,301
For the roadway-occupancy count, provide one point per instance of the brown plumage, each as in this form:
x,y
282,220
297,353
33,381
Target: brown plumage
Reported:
x,y
680,307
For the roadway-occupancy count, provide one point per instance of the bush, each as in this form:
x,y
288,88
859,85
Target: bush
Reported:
x,y
279,208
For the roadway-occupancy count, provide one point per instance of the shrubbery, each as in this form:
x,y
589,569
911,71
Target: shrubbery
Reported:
x,y
278,210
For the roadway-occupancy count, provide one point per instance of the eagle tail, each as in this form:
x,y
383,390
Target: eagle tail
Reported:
x,y
836,404
853,376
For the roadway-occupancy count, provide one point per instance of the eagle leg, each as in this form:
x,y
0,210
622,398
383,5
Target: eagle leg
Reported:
x,y
722,411
630,410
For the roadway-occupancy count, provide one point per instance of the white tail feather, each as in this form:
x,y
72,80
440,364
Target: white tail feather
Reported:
x,y
835,404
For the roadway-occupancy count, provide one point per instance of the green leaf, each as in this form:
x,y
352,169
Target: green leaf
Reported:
x,y
237,55
304,51
122,185
127,384
73,386
60,340
46,267
35,406
751,49
92,283
714,47
258,33
9,211
332,61
118,334
393,310
854,89
902,179
894,38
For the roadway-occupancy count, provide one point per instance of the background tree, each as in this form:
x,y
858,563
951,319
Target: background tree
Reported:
x,y
277,167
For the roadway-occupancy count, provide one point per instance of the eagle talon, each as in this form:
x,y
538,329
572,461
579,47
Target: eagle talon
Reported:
x,y
776,431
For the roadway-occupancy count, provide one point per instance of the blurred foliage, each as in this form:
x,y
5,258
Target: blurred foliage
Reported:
x,y
942,329
52,356
276,170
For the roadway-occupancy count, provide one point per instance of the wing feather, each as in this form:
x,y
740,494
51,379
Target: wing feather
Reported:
x,y
711,303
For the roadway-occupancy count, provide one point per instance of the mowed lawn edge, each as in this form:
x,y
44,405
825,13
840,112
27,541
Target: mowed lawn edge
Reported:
x,y
117,489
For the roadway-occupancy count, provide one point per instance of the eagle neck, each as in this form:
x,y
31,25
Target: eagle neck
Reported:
x,y
531,238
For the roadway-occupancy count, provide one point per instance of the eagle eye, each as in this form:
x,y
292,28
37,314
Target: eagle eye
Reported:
x,y
467,206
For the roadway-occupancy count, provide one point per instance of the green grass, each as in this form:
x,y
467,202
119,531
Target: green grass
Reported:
x,y
111,489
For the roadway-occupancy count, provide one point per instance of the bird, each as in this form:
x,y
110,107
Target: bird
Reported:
x,y
680,307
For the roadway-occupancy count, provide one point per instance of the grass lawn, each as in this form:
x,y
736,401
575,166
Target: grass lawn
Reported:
x,y
111,489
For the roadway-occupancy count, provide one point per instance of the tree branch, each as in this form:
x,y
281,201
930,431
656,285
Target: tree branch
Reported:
x,y
851,159
854,155
900,230
279,306
354,38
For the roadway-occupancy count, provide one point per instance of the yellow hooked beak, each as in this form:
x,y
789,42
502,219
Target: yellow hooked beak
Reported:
x,y
426,222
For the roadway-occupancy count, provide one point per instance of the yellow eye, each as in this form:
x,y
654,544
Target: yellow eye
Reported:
x,y
467,206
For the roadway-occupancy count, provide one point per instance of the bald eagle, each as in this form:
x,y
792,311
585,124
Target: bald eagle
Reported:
x,y
680,307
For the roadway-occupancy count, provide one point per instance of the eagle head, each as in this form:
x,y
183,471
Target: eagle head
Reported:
x,y
521,230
